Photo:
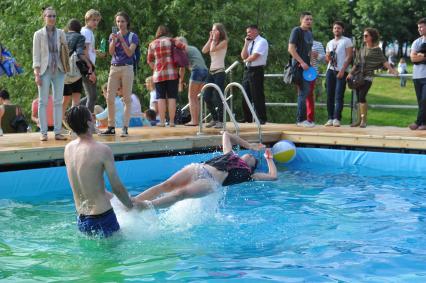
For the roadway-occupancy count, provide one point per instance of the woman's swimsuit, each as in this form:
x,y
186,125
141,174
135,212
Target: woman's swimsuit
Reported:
x,y
102,225
238,170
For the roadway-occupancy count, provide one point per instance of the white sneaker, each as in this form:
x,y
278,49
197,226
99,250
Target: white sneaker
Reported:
x,y
1,132
305,124
329,123
218,125
211,124
336,123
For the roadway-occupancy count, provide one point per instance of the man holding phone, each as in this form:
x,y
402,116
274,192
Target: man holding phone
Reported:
x,y
254,54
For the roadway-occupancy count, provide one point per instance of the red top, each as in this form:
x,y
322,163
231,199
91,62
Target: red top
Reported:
x,y
160,52
34,109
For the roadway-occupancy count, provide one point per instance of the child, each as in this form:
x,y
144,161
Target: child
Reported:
x,y
402,69
153,101
102,114
151,116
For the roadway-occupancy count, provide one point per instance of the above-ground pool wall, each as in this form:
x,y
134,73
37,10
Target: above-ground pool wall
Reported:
x,y
391,163
53,180
36,182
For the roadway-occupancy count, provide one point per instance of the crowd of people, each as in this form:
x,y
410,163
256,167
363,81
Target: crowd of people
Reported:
x,y
168,79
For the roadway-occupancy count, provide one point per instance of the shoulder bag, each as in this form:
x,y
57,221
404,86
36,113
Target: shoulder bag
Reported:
x,y
358,80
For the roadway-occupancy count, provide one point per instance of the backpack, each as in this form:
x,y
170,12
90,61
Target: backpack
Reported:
x,y
179,56
137,54
74,73
18,123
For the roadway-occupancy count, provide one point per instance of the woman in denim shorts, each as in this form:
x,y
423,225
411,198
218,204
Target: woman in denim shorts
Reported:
x,y
199,73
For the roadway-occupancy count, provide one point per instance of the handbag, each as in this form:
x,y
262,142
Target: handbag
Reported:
x,y
179,56
64,54
358,80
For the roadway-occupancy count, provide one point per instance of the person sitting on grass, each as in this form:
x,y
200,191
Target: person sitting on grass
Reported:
x,y
200,179
102,114
8,112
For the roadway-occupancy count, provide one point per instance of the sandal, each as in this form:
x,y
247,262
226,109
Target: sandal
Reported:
x,y
172,125
190,125
161,125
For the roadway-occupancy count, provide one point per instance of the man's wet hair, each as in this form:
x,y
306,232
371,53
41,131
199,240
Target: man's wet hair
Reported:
x,y
77,118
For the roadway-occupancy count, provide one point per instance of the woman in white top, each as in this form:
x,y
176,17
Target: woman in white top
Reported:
x,y
216,46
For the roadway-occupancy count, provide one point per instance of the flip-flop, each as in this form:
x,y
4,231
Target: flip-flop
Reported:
x,y
190,125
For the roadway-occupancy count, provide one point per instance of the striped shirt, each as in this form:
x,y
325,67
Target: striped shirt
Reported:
x,y
160,53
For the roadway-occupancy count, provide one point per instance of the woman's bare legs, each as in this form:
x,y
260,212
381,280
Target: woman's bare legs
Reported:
x,y
180,179
196,189
194,105
162,110
171,103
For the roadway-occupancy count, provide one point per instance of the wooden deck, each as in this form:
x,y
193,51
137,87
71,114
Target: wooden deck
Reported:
x,y
26,148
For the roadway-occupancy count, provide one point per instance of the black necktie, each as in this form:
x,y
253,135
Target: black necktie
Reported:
x,y
251,49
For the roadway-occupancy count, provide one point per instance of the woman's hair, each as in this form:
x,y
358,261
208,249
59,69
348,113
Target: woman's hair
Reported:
x,y
77,118
105,87
150,83
222,31
45,9
162,30
374,33
74,25
125,16
92,14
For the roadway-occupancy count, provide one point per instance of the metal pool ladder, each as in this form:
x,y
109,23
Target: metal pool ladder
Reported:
x,y
225,106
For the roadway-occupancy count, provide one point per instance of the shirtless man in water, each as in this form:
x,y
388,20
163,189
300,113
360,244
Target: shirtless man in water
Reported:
x,y
86,161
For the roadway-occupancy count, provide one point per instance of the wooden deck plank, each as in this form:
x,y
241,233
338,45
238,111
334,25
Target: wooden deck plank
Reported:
x,y
26,148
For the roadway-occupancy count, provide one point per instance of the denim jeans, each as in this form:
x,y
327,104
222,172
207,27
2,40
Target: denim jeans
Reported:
x,y
335,94
420,87
212,98
57,82
303,91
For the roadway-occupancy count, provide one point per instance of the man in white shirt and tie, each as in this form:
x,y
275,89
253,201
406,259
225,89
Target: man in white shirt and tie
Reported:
x,y
254,54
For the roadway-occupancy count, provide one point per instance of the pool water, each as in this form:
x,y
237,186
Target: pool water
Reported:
x,y
315,224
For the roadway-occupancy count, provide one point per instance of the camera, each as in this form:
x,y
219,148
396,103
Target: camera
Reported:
x,y
333,58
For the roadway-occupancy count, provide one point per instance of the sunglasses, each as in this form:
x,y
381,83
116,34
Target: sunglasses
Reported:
x,y
51,16
366,35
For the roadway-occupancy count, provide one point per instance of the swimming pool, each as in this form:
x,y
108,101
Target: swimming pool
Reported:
x,y
332,216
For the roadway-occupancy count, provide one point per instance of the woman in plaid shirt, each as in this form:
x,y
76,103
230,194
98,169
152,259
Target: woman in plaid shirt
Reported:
x,y
165,77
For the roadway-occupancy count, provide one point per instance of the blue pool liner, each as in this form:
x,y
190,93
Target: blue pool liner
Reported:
x,y
134,173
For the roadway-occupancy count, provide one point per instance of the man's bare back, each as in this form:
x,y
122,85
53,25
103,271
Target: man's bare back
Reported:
x,y
85,167
86,161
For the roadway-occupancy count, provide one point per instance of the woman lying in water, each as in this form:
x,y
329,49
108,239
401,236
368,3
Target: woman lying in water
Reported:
x,y
200,179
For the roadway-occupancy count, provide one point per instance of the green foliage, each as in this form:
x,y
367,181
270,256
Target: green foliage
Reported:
x,y
19,19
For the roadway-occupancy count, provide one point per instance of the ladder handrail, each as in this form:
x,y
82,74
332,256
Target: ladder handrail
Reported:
x,y
250,106
225,106
230,68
